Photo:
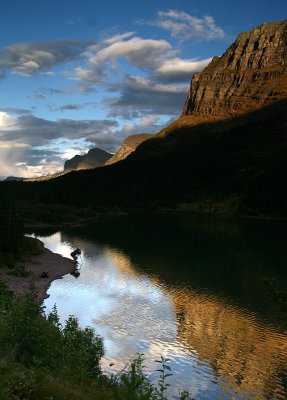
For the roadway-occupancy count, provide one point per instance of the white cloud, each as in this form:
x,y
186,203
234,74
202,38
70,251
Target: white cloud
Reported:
x,y
117,38
71,152
178,70
7,121
36,131
155,59
29,59
149,120
44,168
145,54
12,145
184,26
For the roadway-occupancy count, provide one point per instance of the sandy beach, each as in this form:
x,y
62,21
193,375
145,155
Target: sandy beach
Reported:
x,y
56,265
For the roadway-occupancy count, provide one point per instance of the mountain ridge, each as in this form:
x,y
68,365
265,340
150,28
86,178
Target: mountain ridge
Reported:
x,y
129,146
93,159
250,74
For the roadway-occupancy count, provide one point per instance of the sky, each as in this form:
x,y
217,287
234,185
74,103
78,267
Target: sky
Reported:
x,y
75,75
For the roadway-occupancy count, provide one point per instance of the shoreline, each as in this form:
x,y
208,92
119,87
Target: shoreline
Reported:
x,y
56,265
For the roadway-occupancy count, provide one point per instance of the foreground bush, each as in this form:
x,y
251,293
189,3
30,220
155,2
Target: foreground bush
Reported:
x,y
41,359
28,337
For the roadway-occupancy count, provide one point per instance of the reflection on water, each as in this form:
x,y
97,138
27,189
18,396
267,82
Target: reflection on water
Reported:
x,y
218,350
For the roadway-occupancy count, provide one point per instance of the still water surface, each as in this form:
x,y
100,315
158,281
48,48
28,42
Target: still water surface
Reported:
x,y
188,288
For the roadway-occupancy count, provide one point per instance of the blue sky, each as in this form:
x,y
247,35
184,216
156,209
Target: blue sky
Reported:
x,y
81,74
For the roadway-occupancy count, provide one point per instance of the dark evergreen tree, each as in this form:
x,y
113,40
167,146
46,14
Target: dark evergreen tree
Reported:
x,y
10,227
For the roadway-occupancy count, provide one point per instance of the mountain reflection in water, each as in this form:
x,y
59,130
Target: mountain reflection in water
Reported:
x,y
217,349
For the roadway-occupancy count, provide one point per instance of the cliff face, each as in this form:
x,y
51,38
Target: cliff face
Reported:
x,y
249,75
128,147
93,159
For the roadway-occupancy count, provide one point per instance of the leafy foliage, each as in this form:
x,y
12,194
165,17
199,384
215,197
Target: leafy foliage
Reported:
x,y
164,373
134,384
28,337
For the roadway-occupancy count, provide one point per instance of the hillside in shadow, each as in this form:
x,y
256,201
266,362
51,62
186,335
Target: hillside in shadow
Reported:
x,y
237,165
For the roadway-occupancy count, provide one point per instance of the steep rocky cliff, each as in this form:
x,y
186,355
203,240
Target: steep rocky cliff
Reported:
x,y
249,75
93,159
128,147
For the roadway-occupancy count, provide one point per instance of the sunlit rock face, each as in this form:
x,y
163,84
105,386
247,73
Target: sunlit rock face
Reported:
x,y
93,159
250,74
128,147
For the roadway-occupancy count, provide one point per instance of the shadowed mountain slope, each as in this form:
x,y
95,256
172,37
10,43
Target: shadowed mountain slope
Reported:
x,y
128,147
225,166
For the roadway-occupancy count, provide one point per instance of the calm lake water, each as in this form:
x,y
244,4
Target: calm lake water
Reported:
x,y
188,288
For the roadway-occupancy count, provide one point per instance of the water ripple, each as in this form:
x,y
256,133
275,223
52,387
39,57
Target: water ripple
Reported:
x,y
216,349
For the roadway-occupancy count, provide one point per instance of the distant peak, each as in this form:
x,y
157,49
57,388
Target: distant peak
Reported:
x,y
93,159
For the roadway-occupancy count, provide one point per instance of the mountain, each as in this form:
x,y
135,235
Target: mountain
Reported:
x,y
128,147
14,178
93,159
46,177
225,154
250,74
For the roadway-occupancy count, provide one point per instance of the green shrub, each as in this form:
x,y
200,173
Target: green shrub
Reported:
x,y
134,384
16,381
28,337
82,351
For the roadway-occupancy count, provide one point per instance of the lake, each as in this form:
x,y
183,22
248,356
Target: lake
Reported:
x,y
186,287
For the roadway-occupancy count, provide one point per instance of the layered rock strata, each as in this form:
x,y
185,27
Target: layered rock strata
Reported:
x,y
249,75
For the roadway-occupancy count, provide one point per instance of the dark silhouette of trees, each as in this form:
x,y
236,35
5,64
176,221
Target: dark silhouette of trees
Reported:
x,y
10,226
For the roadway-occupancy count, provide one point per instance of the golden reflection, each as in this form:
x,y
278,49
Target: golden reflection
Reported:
x,y
121,260
249,354
246,352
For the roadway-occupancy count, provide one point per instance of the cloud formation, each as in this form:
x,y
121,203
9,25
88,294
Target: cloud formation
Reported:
x,y
156,60
178,70
145,54
27,142
183,26
28,162
34,131
29,59
140,96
